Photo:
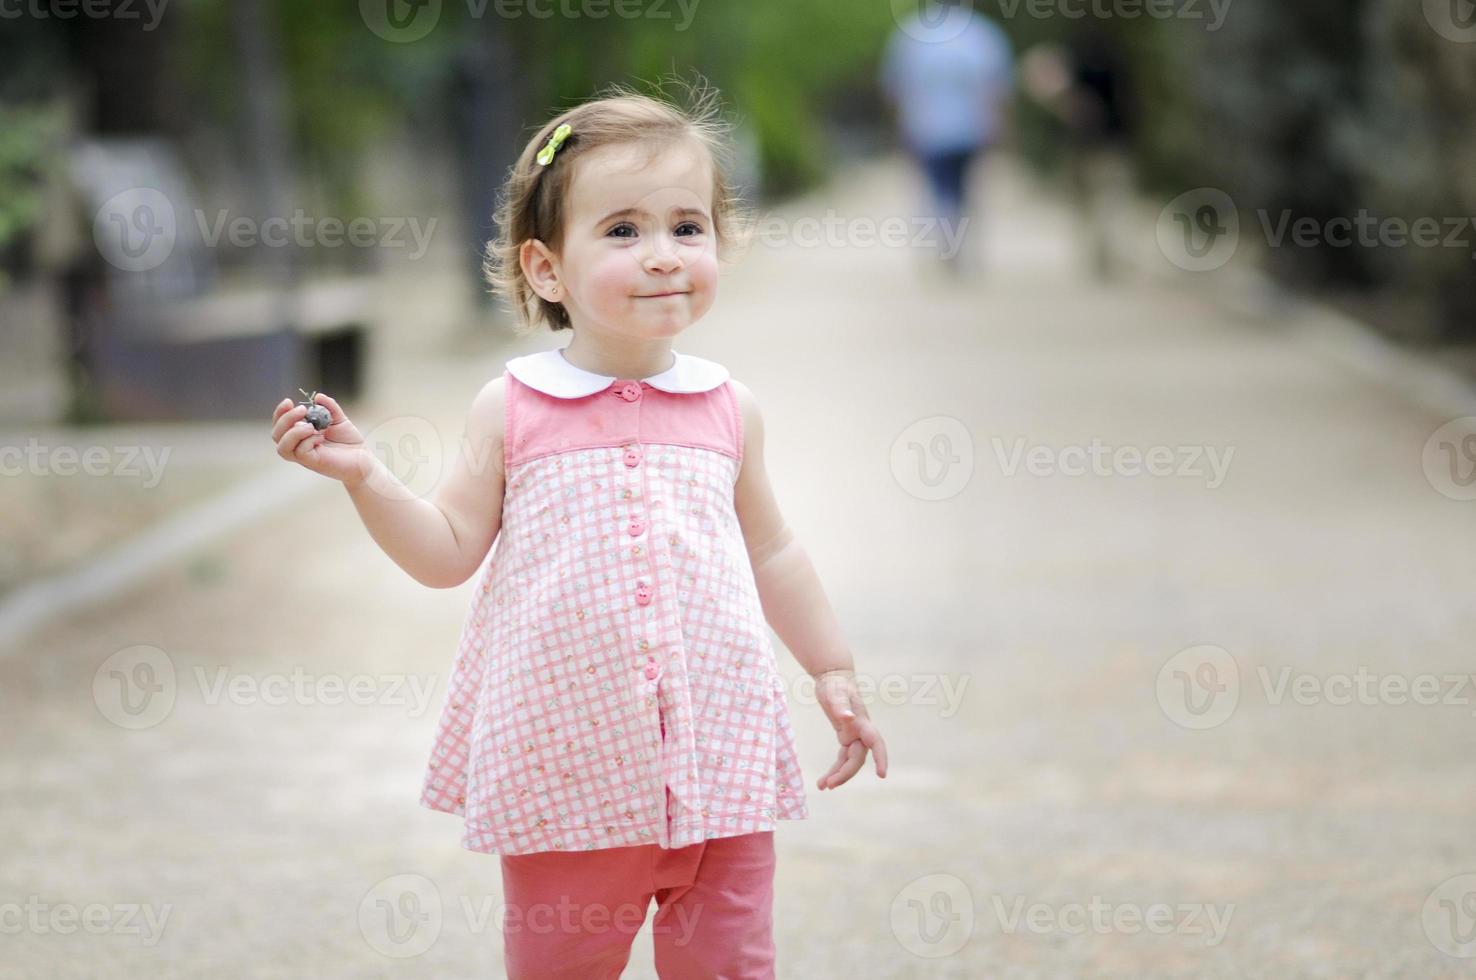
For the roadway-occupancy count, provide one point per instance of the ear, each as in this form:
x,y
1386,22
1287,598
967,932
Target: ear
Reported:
x,y
541,269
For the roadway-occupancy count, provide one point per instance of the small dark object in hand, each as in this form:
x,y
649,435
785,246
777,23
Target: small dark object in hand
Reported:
x,y
316,414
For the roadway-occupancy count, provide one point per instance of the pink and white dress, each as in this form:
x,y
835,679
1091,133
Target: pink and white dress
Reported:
x,y
615,683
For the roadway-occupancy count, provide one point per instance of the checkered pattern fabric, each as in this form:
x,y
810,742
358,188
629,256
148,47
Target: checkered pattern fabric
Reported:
x,y
617,599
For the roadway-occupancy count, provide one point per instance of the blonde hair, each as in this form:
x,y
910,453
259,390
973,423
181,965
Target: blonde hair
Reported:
x,y
533,202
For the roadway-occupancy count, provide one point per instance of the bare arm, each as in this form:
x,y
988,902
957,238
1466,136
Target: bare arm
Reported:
x,y
796,607
440,540
793,600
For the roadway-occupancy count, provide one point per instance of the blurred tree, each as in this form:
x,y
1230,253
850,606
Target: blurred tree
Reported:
x,y
29,148
1319,109
1327,109
268,142
1416,155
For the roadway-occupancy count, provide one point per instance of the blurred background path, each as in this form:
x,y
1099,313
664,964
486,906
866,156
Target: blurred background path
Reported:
x,y
1042,767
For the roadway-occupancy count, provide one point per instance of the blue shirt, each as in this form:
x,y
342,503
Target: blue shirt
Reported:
x,y
948,74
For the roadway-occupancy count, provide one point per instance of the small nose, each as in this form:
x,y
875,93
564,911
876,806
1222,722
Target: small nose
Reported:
x,y
663,257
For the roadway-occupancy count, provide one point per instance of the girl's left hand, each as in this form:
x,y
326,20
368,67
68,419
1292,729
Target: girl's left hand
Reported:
x,y
841,702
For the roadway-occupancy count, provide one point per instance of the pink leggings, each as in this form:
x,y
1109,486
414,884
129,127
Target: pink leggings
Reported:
x,y
575,914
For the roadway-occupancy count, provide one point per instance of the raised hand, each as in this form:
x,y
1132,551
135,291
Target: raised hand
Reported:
x,y
338,451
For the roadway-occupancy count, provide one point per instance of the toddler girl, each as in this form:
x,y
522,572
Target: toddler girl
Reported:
x,y
615,727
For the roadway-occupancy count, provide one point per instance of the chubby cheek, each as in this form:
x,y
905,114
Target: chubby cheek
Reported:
x,y
612,279
702,274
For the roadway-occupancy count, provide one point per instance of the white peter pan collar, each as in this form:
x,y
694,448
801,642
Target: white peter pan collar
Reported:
x,y
551,373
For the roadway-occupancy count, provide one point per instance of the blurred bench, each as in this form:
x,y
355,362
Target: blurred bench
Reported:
x,y
168,339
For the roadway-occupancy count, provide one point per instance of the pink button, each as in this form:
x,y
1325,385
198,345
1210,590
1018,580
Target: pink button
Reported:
x,y
643,595
632,456
636,526
630,391
651,671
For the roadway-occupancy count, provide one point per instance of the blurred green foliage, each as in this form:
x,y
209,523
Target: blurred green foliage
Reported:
x,y
29,143
1322,108
775,62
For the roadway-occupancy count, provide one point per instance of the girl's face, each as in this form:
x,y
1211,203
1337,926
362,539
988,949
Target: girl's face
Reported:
x,y
639,258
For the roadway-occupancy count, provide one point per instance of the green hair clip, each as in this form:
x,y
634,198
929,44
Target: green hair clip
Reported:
x,y
546,155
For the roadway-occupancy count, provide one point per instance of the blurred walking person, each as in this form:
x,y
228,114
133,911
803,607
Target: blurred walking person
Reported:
x,y
947,72
1085,84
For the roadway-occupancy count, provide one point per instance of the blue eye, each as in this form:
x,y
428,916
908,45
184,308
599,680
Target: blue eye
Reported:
x,y
623,224
696,228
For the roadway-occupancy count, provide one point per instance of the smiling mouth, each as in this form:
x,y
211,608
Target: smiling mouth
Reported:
x,y
659,295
